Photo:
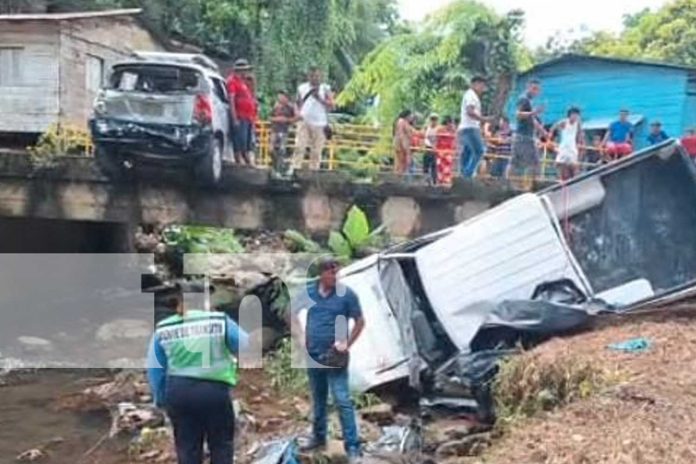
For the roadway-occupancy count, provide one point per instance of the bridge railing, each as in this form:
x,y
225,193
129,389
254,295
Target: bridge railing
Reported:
x,y
362,148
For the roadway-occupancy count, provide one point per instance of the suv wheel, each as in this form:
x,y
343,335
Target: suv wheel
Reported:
x,y
209,167
109,163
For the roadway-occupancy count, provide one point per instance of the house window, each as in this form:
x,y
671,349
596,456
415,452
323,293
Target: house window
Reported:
x,y
94,77
11,66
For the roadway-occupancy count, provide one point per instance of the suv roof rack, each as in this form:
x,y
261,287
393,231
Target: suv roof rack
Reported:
x,y
183,58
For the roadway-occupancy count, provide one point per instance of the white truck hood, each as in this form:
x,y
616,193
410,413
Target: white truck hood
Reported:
x,y
499,255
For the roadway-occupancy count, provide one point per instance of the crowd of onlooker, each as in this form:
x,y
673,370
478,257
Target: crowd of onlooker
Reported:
x,y
307,111
469,145
485,144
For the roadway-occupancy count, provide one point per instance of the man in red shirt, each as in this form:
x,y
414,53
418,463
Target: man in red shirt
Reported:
x,y
243,109
689,143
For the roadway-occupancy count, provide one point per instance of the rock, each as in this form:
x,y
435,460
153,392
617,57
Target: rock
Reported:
x,y
128,417
369,432
53,442
34,342
472,445
124,329
150,455
249,280
127,386
31,455
381,414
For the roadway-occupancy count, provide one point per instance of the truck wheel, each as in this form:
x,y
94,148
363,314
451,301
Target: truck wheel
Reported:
x,y
209,167
109,163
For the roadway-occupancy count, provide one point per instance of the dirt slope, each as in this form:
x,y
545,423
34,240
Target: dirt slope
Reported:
x,y
649,416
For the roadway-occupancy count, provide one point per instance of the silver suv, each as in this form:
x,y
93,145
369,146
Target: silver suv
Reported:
x,y
163,107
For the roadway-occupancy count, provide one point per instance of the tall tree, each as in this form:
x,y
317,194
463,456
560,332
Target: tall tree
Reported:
x,y
429,68
667,34
282,37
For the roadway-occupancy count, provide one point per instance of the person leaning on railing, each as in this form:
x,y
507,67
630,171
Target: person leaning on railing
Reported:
x,y
445,147
284,115
403,134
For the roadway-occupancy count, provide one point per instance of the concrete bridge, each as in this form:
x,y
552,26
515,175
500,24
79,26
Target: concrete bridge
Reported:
x,y
72,190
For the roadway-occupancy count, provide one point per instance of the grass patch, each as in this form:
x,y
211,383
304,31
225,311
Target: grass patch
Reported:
x,y
284,376
529,384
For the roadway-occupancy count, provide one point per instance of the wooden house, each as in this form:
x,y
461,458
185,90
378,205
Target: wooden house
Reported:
x,y
52,65
601,87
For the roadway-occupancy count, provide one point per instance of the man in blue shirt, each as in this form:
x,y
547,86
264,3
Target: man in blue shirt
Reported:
x,y
657,135
328,341
619,137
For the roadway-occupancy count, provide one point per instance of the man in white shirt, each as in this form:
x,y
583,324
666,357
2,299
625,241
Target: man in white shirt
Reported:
x,y
314,100
469,138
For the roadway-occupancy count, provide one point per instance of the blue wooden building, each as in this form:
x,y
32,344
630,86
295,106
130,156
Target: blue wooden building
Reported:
x,y
601,87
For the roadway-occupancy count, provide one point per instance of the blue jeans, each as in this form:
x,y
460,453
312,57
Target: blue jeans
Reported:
x,y
471,150
320,380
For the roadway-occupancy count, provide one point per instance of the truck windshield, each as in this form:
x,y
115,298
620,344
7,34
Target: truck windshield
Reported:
x,y
155,79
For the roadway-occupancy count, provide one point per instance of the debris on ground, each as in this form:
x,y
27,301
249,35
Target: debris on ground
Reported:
x,y
380,414
32,455
634,345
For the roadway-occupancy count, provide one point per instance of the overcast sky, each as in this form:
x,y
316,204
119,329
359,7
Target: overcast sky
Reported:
x,y
547,17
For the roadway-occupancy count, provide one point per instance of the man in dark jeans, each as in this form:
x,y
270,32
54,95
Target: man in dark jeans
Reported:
x,y
525,158
328,341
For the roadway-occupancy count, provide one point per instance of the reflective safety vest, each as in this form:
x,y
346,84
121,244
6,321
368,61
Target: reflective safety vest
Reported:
x,y
196,346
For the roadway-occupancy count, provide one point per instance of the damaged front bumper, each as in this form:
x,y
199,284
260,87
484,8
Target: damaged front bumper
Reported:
x,y
152,140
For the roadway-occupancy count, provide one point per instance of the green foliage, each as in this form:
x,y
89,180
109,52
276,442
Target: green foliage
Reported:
x,y
284,377
298,243
282,37
202,240
428,69
667,34
366,400
356,228
59,140
339,245
355,238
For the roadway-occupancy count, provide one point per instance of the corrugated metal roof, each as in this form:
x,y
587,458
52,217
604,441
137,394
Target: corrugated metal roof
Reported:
x,y
70,16
576,57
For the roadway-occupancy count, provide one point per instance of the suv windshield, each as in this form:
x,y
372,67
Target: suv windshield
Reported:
x,y
155,79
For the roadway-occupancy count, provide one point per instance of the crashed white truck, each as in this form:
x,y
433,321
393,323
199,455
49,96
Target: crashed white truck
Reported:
x,y
624,234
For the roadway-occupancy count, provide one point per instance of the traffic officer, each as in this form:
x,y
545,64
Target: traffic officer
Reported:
x,y
191,369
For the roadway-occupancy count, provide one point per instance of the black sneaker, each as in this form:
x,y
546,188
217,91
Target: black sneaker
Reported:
x,y
313,446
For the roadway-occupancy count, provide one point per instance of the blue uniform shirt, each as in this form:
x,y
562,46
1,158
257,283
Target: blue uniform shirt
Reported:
x,y
341,304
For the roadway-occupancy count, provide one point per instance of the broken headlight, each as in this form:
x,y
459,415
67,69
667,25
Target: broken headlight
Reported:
x,y
101,126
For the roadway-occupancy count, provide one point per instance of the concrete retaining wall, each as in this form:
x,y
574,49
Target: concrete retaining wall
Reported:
x,y
247,199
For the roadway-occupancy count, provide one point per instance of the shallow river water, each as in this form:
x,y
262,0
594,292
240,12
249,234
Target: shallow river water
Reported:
x,y
28,420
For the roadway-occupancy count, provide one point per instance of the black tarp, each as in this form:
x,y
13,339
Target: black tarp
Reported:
x,y
508,326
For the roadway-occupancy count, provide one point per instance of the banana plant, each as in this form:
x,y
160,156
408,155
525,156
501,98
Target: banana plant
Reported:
x,y
355,239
